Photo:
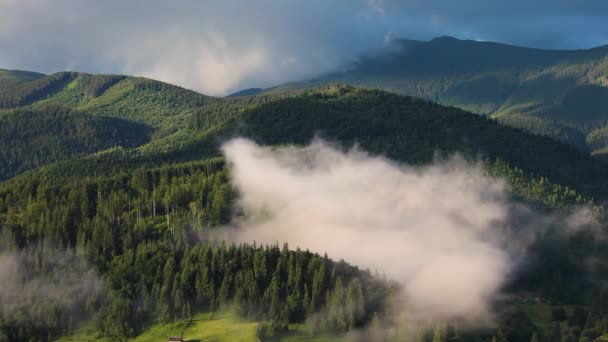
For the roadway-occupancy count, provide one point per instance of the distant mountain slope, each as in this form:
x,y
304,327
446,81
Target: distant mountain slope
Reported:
x,y
412,130
116,110
135,98
26,93
564,88
31,138
10,78
402,128
247,92
189,125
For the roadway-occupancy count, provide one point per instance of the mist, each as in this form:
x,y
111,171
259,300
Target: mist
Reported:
x,y
446,232
36,279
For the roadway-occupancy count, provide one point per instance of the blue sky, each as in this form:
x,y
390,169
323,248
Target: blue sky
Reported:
x,y
219,46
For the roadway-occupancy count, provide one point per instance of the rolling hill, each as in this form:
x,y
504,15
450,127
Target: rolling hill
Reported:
x,y
9,78
559,93
126,173
31,138
186,125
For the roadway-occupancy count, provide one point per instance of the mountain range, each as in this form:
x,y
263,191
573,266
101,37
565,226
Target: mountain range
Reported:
x,y
559,93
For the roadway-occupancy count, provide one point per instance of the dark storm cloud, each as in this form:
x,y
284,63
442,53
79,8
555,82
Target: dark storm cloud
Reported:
x,y
220,46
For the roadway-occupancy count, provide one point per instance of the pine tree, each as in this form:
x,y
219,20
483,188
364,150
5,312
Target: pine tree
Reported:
x,y
318,288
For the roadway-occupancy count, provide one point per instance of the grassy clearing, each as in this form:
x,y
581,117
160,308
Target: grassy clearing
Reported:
x,y
222,327
203,327
86,333
539,314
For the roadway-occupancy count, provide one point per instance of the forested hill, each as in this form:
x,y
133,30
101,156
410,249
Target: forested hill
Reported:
x,y
183,125
559,93
413,130
68,114
10,78
125,176
31,138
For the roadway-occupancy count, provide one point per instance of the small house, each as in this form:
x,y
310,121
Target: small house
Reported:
x,y
176,339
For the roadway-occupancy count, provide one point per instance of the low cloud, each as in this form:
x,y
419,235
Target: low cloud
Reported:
x,y
215,47
440,230
39,281
448,233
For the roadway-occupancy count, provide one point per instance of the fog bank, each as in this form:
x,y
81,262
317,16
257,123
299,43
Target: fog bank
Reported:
x,y
440,230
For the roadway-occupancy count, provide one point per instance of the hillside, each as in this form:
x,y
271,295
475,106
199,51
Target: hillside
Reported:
x,y
133,176
412,130
138,99
9,78
558,93
31,138
189,126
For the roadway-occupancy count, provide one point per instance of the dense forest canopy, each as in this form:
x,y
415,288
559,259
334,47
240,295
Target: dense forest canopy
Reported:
x,y
558,93
10,78
30,138
123,176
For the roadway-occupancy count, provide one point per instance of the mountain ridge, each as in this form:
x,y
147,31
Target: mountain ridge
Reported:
x,y
182,124
9,78
558,89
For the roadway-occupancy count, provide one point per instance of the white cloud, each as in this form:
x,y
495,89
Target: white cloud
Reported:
x,y
438,230
213,47
208,62
448,233
377,5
